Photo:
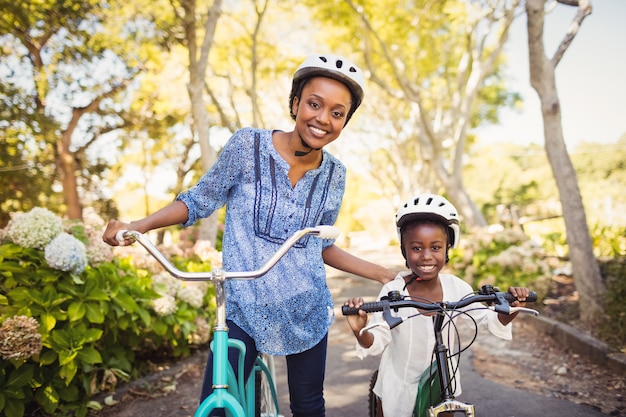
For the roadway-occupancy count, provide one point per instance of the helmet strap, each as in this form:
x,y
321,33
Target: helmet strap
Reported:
x,y
414,278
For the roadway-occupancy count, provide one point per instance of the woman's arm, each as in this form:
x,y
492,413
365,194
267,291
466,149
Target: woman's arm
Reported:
x,y
344,261
175,213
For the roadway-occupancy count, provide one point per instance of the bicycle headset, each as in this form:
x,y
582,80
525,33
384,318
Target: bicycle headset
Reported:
x,y
331,66
429,207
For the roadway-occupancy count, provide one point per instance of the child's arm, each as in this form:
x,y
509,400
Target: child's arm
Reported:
x,y
520,293
358,322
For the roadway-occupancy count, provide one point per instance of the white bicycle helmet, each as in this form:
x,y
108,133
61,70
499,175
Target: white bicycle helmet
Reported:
x,y
332,66
430,206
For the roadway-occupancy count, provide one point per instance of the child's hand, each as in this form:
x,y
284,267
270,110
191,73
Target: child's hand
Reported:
x,y
356,322
520,293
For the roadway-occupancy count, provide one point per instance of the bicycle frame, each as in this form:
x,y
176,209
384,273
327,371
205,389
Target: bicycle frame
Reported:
x,y
444,397
238,400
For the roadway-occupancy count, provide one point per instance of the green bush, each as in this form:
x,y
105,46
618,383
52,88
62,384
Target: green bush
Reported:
x,y
613,328
609,242
502,258
96,326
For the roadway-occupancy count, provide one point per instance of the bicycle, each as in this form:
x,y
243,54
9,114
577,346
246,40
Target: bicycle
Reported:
x,y
436,386
257,396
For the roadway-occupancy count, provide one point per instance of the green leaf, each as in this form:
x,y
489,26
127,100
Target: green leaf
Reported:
x,y
145,316
76,311
48,398
98,294
62,338
68,372
20,377
95,405
90,355
49,356
14,408
76,279
91,335
67,357
94,313
48,321
126,302
159,328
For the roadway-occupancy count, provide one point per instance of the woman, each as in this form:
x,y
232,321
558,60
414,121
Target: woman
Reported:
x,y
274,183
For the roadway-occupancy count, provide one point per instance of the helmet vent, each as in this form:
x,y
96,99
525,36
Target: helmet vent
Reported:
x,y
339,63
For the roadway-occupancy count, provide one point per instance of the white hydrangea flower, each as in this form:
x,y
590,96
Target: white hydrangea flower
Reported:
x,y
165,284
66,253
34,229
205,251
165,305
192,295
91,219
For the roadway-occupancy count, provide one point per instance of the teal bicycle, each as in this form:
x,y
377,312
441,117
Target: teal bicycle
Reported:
x,y
257,396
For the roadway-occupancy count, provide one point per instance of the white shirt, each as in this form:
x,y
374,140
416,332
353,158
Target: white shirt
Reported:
x,y
407,350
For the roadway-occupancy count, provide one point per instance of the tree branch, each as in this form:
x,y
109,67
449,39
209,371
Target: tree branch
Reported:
x,y
584,10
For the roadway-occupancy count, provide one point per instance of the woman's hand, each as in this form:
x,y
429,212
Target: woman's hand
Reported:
x,y
114,226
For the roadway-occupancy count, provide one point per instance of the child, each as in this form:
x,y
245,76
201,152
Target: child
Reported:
x,y
274,183
428,227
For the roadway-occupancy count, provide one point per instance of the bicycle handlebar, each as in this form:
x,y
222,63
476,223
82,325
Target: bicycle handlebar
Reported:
x,y
496,300
322,232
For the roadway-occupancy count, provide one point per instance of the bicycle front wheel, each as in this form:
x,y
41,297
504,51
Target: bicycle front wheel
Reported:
x,y
373,400
266,398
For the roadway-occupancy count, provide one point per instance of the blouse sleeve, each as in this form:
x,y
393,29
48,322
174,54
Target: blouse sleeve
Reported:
x,y
211,191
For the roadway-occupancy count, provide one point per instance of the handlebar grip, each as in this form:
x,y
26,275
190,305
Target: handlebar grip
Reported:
x,y
349,311
372,307
532,297
119,236
327,232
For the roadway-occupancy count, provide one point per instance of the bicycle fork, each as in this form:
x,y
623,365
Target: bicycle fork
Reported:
x,y
448,403
220,397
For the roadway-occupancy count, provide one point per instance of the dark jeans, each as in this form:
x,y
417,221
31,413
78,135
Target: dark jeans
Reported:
x,y
305,374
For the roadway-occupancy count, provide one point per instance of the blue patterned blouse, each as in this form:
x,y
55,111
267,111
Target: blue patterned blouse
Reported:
x,y
289,309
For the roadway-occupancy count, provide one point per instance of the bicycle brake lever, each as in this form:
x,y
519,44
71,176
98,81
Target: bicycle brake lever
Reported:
x,y
524,310
371,326
506,309
391,320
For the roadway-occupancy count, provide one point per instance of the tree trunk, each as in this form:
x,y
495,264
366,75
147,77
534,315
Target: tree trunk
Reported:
x,y
197,71
66,166
587,276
